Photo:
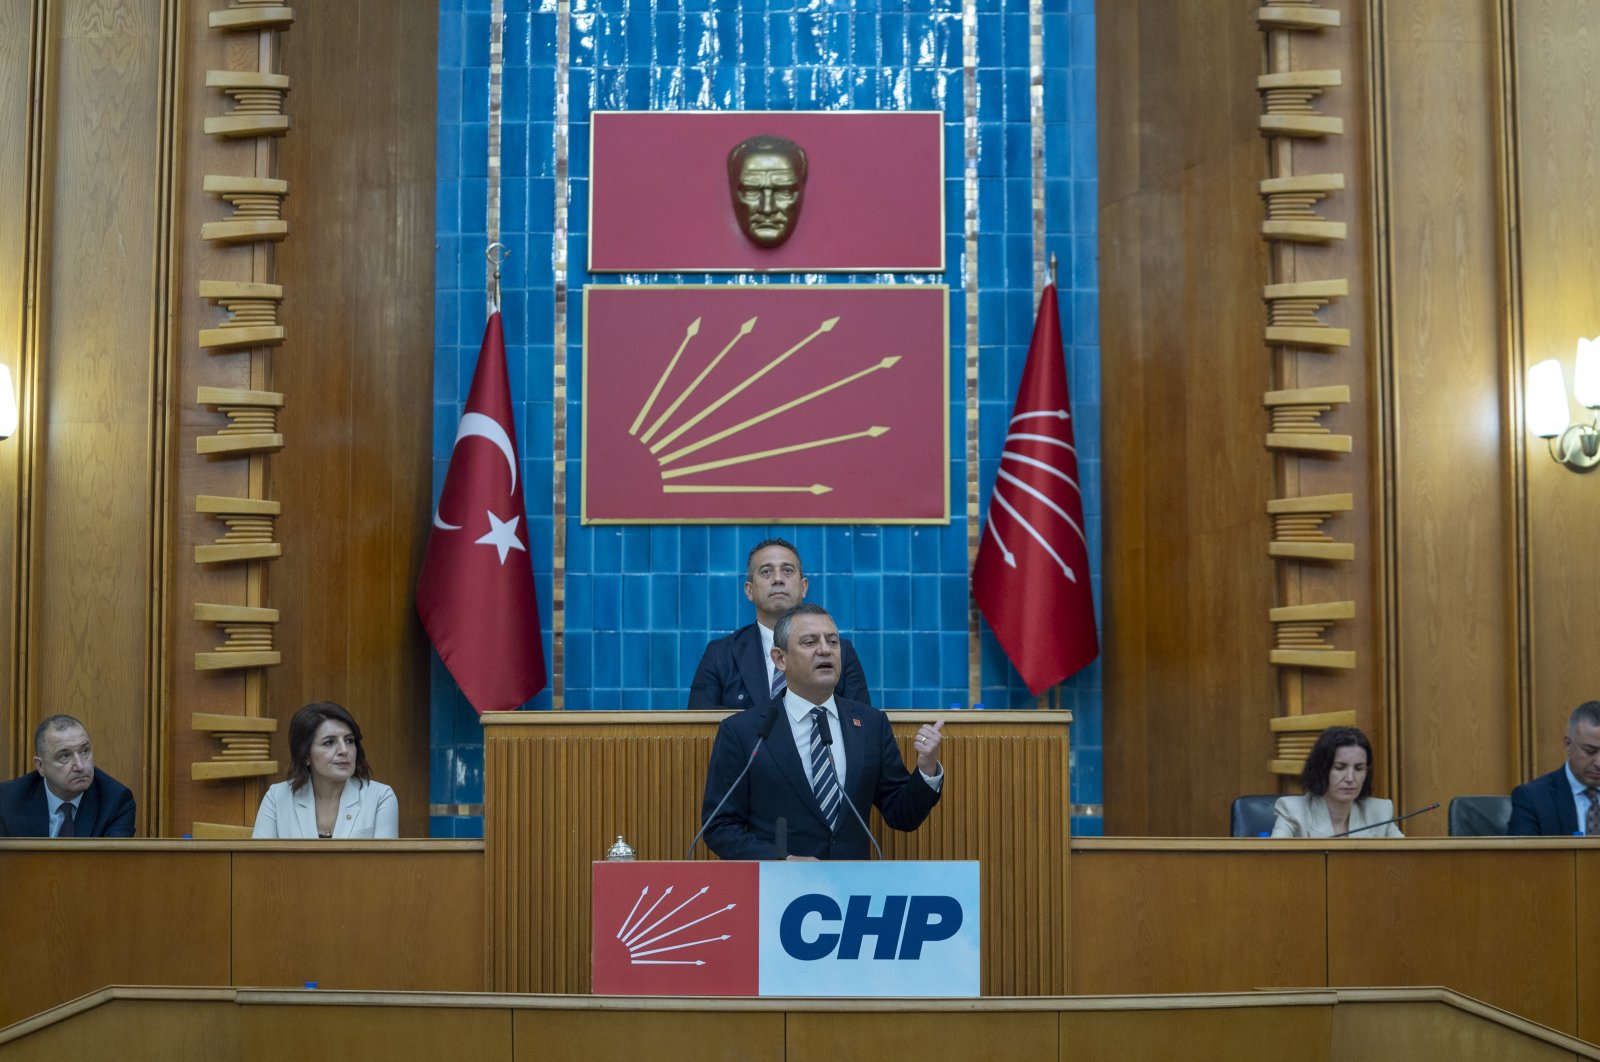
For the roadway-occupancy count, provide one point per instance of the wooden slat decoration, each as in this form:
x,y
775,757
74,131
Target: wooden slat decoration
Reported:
x,y
1290,203
252,15
559,787
1295,734
1299,641
252,426
246,746
1292,313
251,528
258,104
1297,419
1296,15
257,209
1288,99
252,314
1297,528
249,632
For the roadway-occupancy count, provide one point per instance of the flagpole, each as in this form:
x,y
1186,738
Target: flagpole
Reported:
x,y
1052,269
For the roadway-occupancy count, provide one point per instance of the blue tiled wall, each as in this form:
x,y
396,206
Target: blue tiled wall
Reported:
x,y
643,601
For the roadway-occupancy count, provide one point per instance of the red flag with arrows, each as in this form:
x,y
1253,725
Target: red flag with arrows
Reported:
x,y
475,592
1031,579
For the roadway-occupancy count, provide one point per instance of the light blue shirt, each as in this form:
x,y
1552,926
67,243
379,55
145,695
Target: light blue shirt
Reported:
x,y
55,803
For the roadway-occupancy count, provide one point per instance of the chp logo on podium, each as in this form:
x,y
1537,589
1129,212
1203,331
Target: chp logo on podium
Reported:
x,y
786,929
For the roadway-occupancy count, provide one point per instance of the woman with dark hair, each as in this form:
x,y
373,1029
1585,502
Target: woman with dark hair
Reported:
x,y
1338,792
329,792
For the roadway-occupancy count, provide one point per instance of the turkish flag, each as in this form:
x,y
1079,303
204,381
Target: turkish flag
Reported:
x,y
475,592
1031,579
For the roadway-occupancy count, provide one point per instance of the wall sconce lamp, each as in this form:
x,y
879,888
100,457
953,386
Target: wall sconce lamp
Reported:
x,y
1577,446
8,404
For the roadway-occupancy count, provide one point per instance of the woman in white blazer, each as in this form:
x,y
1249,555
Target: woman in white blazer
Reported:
x,y
1337,780
329,793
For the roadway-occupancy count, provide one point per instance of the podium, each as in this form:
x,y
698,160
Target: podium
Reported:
x,y
890,929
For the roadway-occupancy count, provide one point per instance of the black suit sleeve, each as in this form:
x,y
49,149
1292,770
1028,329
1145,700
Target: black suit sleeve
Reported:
x,y
706,692
902,796
729,834
1524,816
120,814
853,681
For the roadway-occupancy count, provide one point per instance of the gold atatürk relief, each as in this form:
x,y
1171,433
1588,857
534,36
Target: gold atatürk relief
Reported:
x,y
767,176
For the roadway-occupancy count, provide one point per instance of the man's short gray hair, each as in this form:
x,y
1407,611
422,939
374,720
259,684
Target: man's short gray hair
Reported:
x,y
780,630
54,722
1587,712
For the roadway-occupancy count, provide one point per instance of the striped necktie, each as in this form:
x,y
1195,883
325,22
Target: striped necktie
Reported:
x,y
824,779
780,681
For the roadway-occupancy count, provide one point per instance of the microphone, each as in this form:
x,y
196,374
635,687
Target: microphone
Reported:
x,y
774,710
844,798
1408,815
780,837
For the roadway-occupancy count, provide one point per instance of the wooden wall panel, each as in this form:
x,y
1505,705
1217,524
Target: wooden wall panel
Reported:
x,y
73,925
1230,1035
393,919
130,1029
355,477
1249,918
395,915
16,35
1558,126
400,1033
1183,369
1432,1030
1497,926
559,787
550,1035
1454,607
1588,928
87,636
823,1037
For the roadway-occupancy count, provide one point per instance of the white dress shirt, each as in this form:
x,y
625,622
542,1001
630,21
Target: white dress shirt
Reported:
x,y
798,709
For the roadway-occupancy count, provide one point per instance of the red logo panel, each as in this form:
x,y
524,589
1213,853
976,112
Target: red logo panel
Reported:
x,y
676,929
873,203
778,403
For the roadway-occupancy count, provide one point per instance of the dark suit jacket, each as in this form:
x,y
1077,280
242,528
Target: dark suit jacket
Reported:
x,y
106,810
733,674
1544,807
875,776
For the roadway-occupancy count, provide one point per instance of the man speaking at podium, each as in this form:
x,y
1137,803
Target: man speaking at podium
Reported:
x,y
825,763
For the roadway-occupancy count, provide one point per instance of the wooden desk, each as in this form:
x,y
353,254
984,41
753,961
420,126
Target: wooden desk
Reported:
x,y
1496,919
80,915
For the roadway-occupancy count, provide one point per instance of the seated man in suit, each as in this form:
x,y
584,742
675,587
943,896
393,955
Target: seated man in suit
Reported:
x,y
736,671
64,796
1565,801
821,750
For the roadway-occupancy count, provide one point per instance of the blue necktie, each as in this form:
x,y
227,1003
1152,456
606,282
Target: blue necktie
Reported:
x,y
779,682
69,828
824,779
